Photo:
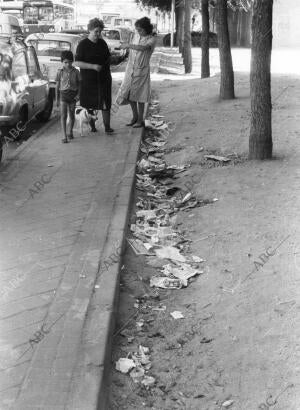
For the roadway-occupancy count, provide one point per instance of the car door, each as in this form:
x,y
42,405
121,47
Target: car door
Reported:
x,y
38,85
21,79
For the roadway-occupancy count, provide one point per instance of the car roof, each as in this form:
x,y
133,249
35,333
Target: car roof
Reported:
x,y
9,18
54,36
8,47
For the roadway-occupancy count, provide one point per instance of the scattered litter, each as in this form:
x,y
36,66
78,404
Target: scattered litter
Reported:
x,y
177,315
186,198
137,374
148,381
140,324
197,259
148,214
217,158
205,340
169,252
160,308
165,283
227,403
157,116
148,246
124,365
138,247
183,272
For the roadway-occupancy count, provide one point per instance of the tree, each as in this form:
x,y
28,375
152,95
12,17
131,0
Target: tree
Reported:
x,y
179,11
187,43
205,69
260,141
227,76
163,5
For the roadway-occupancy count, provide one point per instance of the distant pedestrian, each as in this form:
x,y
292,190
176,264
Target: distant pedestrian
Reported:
x,y
67,93
135,89
93,59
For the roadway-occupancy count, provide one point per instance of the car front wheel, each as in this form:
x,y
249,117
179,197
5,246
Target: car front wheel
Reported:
x,y
45,115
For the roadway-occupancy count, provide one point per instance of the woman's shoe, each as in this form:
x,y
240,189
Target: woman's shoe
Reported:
x,y
65,140
71,137
139,125
131,123
109,131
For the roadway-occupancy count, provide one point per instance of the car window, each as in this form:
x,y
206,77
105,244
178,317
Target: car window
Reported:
x,y
19,66
51,48
111,34
16,29
118,22
33,68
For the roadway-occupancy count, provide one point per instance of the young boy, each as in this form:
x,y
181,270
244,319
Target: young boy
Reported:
x,y
67,93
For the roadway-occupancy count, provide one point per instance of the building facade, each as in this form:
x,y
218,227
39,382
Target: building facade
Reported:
x,y
87,9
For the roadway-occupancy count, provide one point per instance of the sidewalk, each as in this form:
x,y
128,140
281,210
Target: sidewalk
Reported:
x,y
63,214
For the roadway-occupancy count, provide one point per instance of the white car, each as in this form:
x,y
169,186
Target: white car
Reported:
x,y
24,92
48,47
114,37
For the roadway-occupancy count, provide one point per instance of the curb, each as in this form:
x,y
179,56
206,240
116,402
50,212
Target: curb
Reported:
x,y
7,161
91,378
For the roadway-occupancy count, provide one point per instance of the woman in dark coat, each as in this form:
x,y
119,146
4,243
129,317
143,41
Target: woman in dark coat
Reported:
x,y
93,59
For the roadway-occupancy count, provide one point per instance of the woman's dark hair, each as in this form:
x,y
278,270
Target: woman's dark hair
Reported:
x,y
66,55
95,23
145,23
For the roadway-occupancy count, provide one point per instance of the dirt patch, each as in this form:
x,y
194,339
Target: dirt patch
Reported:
x,y
237,344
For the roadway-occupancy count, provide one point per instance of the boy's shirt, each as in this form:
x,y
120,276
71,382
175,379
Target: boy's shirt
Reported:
x,y
68,79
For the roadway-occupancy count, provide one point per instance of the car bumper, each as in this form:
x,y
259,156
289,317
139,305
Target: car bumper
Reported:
x,y
6,120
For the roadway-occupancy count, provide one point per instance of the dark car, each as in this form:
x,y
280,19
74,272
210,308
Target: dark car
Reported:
x,y
196,39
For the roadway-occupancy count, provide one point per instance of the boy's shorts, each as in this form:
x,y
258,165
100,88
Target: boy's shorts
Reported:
x,y
68,96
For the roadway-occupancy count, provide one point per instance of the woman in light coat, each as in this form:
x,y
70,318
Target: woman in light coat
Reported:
x,y
135,89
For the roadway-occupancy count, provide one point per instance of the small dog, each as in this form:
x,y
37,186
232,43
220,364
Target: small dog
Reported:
x,y
84,118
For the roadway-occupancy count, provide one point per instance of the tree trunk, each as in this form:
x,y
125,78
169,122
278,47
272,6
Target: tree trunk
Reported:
x,y
260,141
179,5
187,43
227,76
205,71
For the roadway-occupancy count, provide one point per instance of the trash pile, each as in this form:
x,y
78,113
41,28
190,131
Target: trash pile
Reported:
x,y
156,234
155,231
137,364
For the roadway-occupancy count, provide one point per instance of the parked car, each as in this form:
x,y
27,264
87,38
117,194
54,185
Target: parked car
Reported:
x,y
48,47
114,37
196,39
24,92
83,33
9,24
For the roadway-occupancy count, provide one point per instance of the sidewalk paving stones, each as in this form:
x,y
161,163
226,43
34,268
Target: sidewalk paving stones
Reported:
x,y
63,210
